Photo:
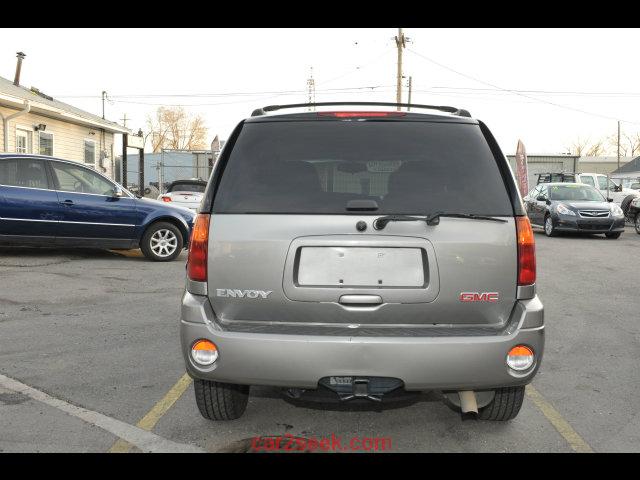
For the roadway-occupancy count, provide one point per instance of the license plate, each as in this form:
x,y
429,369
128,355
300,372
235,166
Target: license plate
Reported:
x,y
340,380
361,267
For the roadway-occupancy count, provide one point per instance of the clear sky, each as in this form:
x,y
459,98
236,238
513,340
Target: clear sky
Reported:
x,y
233,71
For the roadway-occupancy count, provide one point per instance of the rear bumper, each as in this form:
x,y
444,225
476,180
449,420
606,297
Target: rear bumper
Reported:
x,y
422,363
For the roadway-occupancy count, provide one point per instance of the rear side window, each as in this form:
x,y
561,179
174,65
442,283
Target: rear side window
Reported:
x,y
588,181
406,167
23,172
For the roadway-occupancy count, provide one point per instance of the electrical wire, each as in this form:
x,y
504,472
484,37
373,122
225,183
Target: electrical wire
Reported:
x,y
545,92
515,92
358,90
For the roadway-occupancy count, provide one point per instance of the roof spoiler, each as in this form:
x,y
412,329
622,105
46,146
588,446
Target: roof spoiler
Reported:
x,y
272,108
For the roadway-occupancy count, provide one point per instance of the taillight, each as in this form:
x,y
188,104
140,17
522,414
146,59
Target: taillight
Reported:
x,y
166,199
360,114
526,252
197,259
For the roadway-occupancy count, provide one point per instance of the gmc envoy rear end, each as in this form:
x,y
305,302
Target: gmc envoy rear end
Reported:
x,y
364,254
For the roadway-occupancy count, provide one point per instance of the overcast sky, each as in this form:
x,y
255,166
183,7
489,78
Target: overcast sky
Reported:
x,y
595,71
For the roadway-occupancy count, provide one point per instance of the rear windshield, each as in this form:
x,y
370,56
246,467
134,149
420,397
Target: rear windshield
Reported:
x,y
187,187
405,167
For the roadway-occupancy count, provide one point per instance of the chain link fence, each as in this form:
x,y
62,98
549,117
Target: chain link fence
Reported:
x,y
160,169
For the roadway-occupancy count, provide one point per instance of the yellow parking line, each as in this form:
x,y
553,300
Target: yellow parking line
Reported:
x,y
155,414
575,441
137,253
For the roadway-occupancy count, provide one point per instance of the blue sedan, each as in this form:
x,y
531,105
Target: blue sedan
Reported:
x,y
52,202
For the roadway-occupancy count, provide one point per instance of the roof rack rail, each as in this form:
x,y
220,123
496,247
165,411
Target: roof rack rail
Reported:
x,y
271,108
547,177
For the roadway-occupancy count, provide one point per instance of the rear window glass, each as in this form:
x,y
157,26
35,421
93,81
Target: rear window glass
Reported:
x,y
187,187
406,167
23,172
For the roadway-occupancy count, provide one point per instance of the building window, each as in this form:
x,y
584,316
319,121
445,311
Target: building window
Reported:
x,y
23,141
46,143
90,152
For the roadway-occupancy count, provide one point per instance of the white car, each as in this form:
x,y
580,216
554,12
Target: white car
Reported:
x,y
185,193
615,190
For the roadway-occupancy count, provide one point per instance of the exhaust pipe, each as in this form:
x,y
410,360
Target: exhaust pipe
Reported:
x,y
468,405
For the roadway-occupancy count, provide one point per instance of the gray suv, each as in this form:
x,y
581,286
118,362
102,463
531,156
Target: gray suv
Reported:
x,y
362,253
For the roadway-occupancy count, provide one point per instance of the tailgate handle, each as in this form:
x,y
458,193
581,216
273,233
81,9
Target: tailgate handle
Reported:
x,y
360,300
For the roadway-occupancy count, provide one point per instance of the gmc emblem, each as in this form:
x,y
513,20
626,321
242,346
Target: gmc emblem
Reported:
x,y
479,297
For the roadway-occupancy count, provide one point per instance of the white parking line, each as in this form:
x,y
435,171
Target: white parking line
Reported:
x,y
142,439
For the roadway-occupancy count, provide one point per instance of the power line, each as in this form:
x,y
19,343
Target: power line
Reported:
x,y
515,92
549,92
220,94
361,90
358,68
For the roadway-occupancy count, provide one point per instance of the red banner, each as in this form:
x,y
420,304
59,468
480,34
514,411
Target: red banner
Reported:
x,y
522,175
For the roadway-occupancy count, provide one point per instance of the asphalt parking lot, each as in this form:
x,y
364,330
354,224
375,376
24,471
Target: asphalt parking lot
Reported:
x,y
95,336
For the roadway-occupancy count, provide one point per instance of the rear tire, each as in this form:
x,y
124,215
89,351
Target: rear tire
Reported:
x,y
636,223
625,204
220,401
162,242
613,235
504,406
549,229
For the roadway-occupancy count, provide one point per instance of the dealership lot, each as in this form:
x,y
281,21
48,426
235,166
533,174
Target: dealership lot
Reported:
x,y
99,330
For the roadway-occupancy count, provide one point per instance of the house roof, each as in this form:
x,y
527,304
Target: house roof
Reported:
x,y
631,166
15,96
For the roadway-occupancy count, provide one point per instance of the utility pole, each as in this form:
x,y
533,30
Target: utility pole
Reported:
x,y
311,89
124,120
618,143
104,96
409,99
400,44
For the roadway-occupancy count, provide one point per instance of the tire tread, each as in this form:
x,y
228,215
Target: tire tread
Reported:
x,y
220,401
505,405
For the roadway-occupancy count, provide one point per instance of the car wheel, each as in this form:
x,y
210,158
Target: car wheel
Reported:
x,y
549,229
626,202
220,401
162,242
504,406
613,235
636,223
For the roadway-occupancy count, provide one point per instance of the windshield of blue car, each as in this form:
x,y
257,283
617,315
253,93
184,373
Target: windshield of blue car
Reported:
x,y
575,192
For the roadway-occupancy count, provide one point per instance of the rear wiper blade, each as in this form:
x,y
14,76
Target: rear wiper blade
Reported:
x,y
434,218
431,219
381,222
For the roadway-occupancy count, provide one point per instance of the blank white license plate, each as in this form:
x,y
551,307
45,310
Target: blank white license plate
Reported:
x,y
361,267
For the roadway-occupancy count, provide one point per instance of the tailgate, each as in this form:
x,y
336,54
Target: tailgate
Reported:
x,y
308,269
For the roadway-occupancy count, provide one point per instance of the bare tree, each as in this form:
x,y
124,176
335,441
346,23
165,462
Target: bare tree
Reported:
x,y
578,147
175,128
612,142
633,142
596,149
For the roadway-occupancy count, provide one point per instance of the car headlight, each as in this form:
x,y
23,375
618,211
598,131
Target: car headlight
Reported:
x,y
563,210
616,211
